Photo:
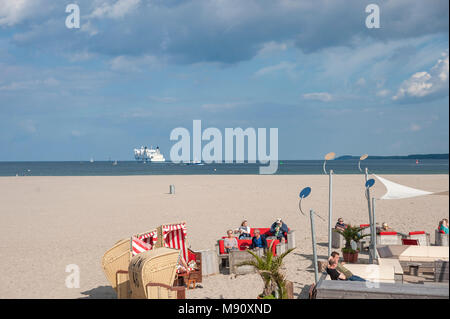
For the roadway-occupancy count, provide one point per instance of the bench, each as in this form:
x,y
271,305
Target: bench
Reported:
x,y
422,237
334,289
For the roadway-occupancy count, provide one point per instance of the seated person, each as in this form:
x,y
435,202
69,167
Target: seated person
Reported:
x,y
384,228
340,224
336,275
340,268
278,229
443,226
258,240
230,243
244,231
182,266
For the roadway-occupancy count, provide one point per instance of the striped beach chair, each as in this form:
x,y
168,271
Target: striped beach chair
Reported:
x,y
175,236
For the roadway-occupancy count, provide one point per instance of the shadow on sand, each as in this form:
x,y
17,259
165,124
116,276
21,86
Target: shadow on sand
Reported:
x,y
101,292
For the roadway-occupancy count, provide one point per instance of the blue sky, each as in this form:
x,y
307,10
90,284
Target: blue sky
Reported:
x,y
136,69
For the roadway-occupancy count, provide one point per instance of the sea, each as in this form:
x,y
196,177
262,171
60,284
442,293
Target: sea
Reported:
x,y
287,167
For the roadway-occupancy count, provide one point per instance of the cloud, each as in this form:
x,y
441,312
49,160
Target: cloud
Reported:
x,y
287,67
133,63
383,93
117,10
415,127
196,31
15,11
426,84
319,96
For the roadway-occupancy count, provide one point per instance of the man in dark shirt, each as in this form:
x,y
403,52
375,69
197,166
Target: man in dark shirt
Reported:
x,y
336,275
331,270
278,229
258,240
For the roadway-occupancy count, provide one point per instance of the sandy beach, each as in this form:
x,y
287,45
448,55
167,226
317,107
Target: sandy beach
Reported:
x,y
47,223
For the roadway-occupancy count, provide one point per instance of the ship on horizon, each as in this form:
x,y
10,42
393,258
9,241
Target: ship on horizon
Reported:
x,y
145,154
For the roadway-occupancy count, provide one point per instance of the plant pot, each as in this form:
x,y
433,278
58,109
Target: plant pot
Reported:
x,y
350,257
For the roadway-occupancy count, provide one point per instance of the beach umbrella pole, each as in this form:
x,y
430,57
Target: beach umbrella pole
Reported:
x,y
313,236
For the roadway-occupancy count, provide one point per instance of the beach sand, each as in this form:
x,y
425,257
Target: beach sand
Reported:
x,y
47,223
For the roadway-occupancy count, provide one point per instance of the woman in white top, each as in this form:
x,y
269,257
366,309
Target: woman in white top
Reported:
x,y
244,231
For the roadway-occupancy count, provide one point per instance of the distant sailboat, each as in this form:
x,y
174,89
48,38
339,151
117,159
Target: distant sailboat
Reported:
x,y
91,160
114,163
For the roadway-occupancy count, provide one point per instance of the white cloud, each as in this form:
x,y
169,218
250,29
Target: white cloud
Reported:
x,y
117,10
282,66
133,64
319,96
272,47
422,84
415,128
15,11
383,93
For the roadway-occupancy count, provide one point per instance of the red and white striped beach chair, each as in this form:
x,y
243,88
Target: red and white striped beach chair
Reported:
x,y
143,242
175,236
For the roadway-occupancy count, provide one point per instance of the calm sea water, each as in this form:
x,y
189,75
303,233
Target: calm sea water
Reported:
x,y
377,166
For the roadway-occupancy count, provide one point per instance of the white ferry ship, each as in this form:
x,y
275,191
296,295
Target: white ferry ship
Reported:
x,y
145,154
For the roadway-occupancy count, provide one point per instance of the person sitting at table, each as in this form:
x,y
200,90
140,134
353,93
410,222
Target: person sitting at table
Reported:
x,y
244,230
278,229
340,224
230,243
258,241
443,226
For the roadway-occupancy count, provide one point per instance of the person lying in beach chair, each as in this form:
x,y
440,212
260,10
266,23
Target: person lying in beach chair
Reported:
x,y
336,275
340,224
279,229
244,231
258,241
230,243
182,266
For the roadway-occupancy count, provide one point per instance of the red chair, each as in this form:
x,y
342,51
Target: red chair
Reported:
x,y
410,242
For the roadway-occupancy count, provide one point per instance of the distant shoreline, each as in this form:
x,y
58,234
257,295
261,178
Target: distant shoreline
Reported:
x,y
412,156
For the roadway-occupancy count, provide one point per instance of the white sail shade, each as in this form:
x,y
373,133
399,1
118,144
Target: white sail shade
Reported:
x,y
398,191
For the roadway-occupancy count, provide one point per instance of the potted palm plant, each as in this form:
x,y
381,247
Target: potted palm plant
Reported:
x,y
351,234
269,268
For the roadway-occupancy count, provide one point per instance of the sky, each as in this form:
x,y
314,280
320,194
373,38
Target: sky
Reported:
x,y
137,69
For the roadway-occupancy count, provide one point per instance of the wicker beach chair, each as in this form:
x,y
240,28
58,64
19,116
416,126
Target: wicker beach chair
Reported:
x,y
152,274
116,260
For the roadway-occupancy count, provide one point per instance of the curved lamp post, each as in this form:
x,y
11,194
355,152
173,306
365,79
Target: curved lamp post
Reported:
x,y
362,158
328,157
369,183
303,194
